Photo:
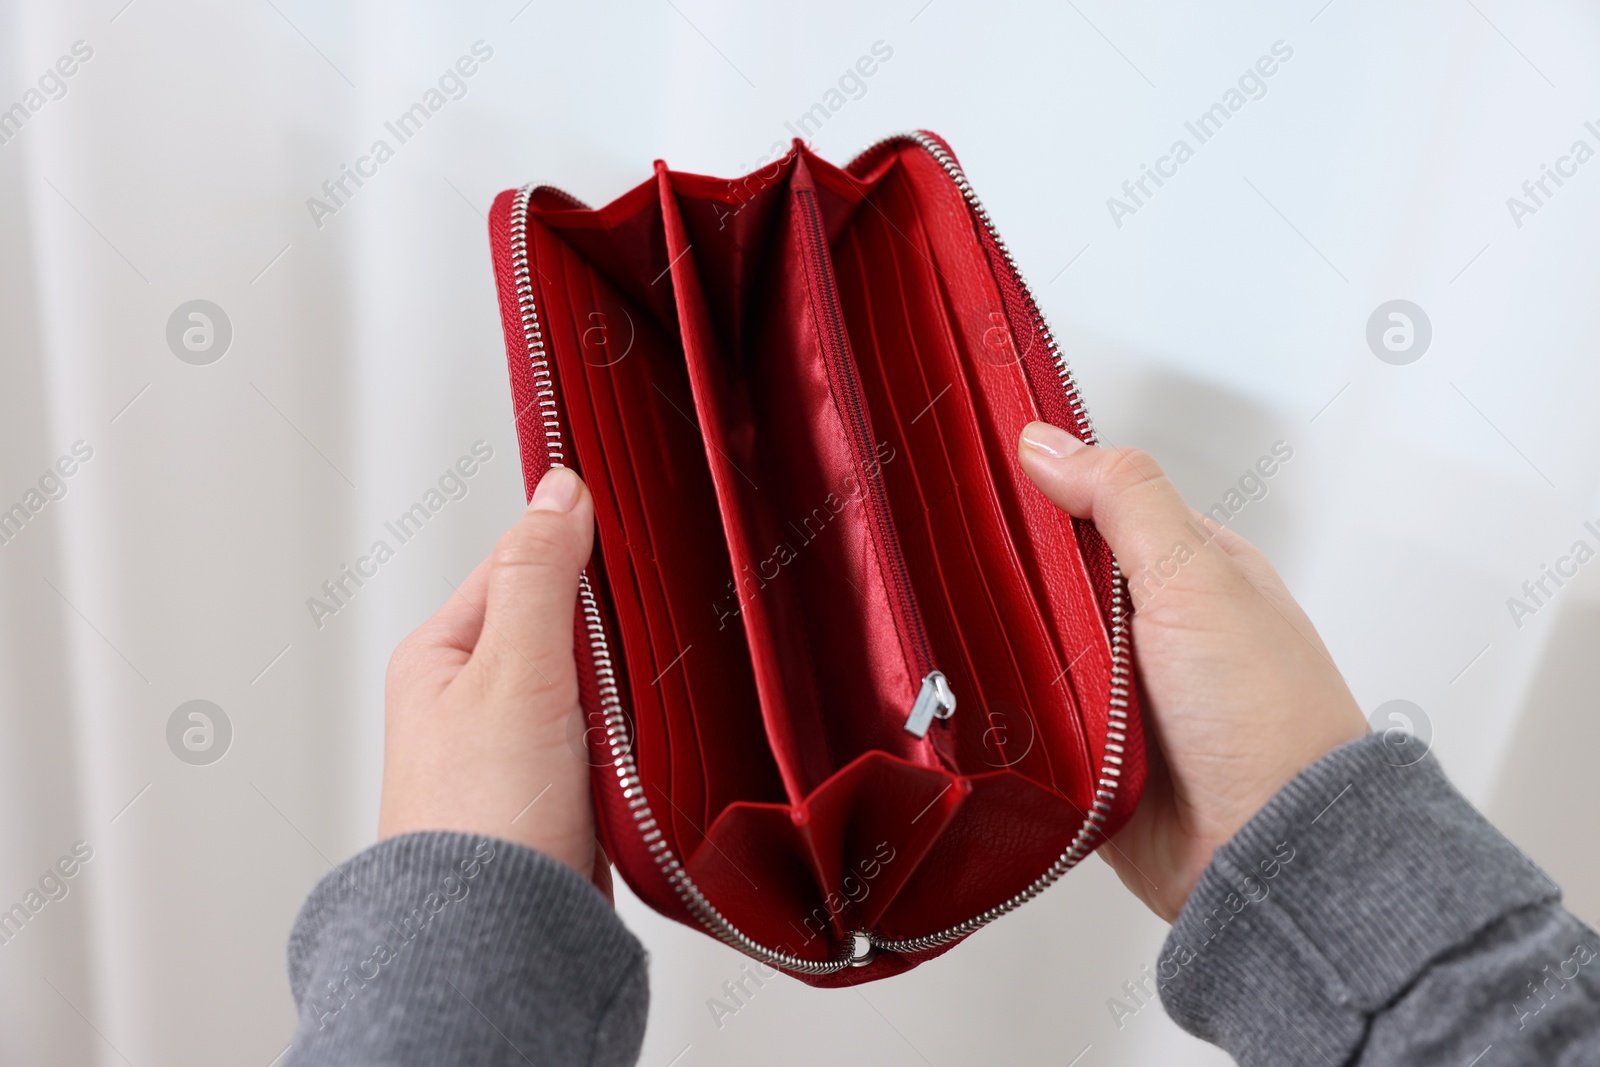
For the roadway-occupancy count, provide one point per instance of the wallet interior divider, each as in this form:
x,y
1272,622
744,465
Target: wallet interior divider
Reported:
x,y
797,405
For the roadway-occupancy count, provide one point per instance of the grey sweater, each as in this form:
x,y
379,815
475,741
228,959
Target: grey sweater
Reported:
x,y
1367,915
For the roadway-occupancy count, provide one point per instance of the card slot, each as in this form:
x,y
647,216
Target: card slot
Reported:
x,y
925,337
700,675
1015,723
652,646
639,461
630,468
621,241
989,729
652,746
999,396
677,501
1044,551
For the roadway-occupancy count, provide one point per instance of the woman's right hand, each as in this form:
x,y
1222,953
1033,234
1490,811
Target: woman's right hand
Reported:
x,y
1240,694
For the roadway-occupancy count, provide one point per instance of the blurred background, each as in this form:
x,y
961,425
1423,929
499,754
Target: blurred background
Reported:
x,y
186,484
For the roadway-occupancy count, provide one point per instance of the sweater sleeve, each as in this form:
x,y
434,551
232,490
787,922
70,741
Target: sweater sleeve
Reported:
x,y
1370,915
445,948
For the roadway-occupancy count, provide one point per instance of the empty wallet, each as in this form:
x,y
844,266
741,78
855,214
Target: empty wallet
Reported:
x,y
851,687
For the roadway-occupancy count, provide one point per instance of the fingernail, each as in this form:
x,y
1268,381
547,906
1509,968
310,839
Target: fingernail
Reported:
x,y
1049,440
556,491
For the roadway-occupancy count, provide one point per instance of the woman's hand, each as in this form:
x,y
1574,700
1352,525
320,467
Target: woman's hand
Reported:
x,y
479,721
1240,695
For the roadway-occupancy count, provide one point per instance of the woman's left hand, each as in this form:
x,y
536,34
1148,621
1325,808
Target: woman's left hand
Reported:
x,y
480,733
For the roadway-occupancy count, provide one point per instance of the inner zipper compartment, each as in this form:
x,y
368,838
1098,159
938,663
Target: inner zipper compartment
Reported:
x,y
838,646
845,378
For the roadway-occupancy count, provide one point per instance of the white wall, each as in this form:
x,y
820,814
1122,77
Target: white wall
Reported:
x,y
1221,317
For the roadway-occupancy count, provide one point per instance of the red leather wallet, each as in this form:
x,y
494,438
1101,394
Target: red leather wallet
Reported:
x,y
853,687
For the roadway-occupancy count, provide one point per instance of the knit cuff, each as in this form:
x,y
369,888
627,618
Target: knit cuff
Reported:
x,y
425,928
1331,901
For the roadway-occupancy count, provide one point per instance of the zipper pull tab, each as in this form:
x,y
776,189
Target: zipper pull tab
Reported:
x,y
862,950
934,701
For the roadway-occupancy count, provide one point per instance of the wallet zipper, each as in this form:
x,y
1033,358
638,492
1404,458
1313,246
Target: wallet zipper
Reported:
x,y
860,945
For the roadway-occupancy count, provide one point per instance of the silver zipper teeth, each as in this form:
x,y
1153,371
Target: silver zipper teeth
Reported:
x,y
615,721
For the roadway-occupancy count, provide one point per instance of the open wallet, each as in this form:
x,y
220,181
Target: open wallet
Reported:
x,y
851,686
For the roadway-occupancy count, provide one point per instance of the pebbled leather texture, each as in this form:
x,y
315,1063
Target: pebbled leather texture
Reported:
x,y
796,398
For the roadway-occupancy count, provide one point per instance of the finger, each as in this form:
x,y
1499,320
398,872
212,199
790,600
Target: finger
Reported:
x,y
1250,560
456,625
1242,551
533,585
1126,494
441,646
1262,576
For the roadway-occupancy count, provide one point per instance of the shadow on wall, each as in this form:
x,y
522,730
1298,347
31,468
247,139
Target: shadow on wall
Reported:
x,y
1544,799
40,785
1213,442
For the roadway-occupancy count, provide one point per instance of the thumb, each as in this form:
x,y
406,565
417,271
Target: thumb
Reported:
x,y
1124,492
533,585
